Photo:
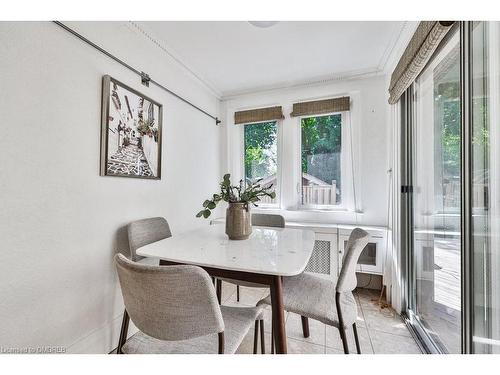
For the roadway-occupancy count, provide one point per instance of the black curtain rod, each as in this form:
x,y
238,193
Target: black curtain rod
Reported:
x,y
144,77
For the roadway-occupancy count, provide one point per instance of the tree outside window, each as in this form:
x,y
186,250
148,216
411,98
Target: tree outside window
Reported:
x,y
321,159
261,154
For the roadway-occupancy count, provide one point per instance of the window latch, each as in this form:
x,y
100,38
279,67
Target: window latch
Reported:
x,y
406,189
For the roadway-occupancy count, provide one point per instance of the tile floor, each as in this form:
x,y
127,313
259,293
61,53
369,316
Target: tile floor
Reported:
x,y
381,331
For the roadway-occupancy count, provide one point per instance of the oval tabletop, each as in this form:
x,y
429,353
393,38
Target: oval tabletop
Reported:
x,y
271,251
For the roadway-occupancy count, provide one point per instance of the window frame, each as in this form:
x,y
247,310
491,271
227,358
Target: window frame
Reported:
x,y
279,174
346,166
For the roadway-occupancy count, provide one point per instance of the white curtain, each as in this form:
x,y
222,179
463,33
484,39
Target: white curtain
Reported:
x,y
392,267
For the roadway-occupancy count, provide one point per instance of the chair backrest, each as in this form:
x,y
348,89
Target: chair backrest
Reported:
x,y
169,302
146,231
357,241
268,220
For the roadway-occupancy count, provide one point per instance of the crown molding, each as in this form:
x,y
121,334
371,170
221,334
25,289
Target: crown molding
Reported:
x,y
317,81
403,38
393,42
142,30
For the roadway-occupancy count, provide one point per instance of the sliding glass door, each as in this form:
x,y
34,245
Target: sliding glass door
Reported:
x,y
452,210
435,300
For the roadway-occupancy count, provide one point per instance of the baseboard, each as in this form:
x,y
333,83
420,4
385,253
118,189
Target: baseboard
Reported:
x,y
103,340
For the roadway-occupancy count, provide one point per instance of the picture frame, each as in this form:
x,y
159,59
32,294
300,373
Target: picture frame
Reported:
x,y
131,132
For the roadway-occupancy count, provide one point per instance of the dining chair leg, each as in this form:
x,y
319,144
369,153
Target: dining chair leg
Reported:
x,y
262,340
218,290
272,338
305,326
221,342
356,338
341,323
123,332
255,336
237,293
343,337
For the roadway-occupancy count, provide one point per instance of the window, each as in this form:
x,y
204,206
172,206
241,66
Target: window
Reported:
x,y
261,155
307,157
321,145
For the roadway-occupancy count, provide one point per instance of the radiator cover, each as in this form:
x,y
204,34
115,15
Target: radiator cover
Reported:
x,y
320,259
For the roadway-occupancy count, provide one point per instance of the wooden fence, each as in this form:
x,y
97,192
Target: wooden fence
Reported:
x,y
319,194
313,195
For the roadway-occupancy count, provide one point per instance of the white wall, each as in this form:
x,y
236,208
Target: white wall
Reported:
x,y
369,117
60,222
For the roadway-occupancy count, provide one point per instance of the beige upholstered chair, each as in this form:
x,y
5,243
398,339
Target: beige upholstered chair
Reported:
x,y
176,311
146,231
141,233
325,300
268,220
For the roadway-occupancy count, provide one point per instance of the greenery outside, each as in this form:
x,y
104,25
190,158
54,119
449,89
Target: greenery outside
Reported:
x,y
261,150
321,147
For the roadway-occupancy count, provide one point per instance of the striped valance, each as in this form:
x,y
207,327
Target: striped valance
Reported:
x,y
258,115
319,107
422,45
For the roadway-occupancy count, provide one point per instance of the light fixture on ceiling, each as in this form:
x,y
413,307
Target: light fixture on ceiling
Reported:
x,y
263,24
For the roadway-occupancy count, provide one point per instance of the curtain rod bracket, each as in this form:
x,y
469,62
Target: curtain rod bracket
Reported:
x,y
217,121
145,79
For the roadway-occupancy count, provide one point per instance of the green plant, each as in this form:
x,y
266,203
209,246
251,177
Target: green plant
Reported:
x,y
246,192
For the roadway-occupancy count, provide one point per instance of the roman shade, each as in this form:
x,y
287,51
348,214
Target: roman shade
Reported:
x,y
258,115
319,107
422,45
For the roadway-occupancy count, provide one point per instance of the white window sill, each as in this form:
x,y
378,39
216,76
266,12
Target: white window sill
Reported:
x,y
266,208
334,210
320,209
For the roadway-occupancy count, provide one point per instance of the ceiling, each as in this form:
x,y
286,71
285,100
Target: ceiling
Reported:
x,y
237,57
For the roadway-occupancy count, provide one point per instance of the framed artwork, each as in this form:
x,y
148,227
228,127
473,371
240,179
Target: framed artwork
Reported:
x,y
130,132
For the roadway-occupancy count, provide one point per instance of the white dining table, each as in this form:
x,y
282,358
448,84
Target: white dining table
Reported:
x,y
264,258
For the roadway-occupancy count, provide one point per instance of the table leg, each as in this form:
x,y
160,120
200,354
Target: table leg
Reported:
x,y
278,315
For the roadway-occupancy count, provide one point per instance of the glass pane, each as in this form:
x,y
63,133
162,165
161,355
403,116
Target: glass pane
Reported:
x,y
261,155
436,198
320,160
485,187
